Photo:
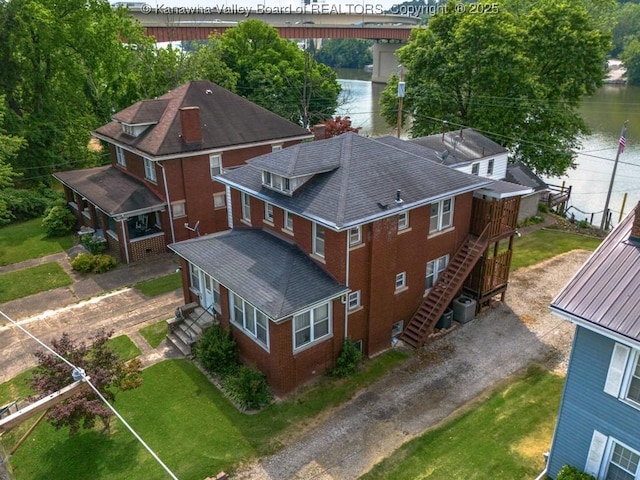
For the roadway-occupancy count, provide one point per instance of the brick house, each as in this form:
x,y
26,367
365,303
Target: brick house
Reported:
x,y
159,188
349,237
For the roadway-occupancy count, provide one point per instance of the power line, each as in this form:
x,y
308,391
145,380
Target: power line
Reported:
x,y
76,371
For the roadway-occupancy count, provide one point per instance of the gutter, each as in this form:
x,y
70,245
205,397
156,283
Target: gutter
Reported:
x,y
543,474
166,193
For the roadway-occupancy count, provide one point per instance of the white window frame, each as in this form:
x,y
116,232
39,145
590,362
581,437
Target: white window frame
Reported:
x,y
217,299
403,221
441,219
315,334
245,201
253,323
437,266
401,280
268,212
490,165
194,278
287,222
150,170
475,168
602,455
120,157
319,240
353,301
219,200
276,182
179,209
215,164
355,236
611,460
276,147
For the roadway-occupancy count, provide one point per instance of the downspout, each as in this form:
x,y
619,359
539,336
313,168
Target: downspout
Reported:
x,y
346,277
166,194
542,474
125,235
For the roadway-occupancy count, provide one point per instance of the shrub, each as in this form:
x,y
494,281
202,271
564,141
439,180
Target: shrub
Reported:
x,y
543,208
103,263
248,387
86,263
27,204
572,473
82,263
92,243
58,221
216,351
348,360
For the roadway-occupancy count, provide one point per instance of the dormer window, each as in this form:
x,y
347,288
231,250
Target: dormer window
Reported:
x,y
276,182
134,129
129,129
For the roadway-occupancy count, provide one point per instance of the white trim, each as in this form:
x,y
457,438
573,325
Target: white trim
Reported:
x,y
196,153
168,204
315,239
313,340
227,194
356,297
358,241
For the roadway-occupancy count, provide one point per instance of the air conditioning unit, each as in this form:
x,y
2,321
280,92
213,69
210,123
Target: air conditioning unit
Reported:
x,y
464,309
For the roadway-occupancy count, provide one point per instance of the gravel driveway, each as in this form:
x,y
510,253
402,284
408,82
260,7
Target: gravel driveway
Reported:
x,y
439,379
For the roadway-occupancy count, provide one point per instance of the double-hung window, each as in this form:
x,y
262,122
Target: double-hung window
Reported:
x,y
311,325
288,221
355,236
194,277
215,165
610,459
490,166
401,280
475,169
249,319
268,212
318,240
354,300
120,158
150,170
246,207
441,215
403,221
434,269
623,377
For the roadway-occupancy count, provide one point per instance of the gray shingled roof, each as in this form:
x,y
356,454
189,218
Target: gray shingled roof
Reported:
x,y
227,120
605,292
298,161
98,185
461,149
519,173
272,275
364,186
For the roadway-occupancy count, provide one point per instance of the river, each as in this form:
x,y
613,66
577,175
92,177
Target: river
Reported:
x,y
605,112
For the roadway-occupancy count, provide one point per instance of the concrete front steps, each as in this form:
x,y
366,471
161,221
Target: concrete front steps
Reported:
x,y
187,326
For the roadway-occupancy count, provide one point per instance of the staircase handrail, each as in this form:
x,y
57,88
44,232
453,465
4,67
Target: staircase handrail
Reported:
x,y
189,330
482,238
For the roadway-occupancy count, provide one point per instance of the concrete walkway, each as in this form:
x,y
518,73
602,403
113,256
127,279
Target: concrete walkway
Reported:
x,y
92,302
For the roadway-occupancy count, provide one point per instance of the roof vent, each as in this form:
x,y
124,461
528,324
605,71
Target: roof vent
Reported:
x,y
208,91
399,200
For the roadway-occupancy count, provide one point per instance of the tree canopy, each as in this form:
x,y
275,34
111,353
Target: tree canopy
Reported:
x,y
517,75
107,373
345,53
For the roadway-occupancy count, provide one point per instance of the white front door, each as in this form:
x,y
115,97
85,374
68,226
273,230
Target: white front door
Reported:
x,y
206,300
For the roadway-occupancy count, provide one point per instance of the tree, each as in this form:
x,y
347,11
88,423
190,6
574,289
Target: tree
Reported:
x,y
65,69
9,147
345,53
277,75
337,126
516,77
107,373
631,59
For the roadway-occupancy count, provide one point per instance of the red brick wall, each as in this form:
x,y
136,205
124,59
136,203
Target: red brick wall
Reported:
x,y
146,247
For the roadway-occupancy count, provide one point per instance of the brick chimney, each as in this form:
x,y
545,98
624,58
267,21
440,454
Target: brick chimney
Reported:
x,y
635,228
319,132
190,122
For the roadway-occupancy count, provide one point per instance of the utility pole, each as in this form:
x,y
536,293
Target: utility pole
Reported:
x,y
400,96
621,145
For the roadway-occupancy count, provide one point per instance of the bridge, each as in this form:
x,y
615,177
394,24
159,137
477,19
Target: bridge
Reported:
x,y
390,31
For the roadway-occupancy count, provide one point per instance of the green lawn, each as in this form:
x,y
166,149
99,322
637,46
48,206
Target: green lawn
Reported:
x,y
502,438
124,347
187,422
160,285
541,245
154,333
27,240
17,387
27,281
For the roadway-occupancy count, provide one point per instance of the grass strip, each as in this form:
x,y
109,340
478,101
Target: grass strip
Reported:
x,y
26,240
160,285
124,347
155,333
28,281
503,437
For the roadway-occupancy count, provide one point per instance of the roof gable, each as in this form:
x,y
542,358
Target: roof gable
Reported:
x,y
460,146
226,120
364,185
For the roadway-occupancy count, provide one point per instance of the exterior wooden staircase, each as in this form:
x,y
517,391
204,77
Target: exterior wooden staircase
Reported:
x,y
448,284
186,327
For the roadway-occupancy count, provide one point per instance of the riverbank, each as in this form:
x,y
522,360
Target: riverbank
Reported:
x,y
616,73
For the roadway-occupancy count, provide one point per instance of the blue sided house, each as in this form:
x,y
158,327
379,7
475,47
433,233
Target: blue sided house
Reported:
x,y
598,428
